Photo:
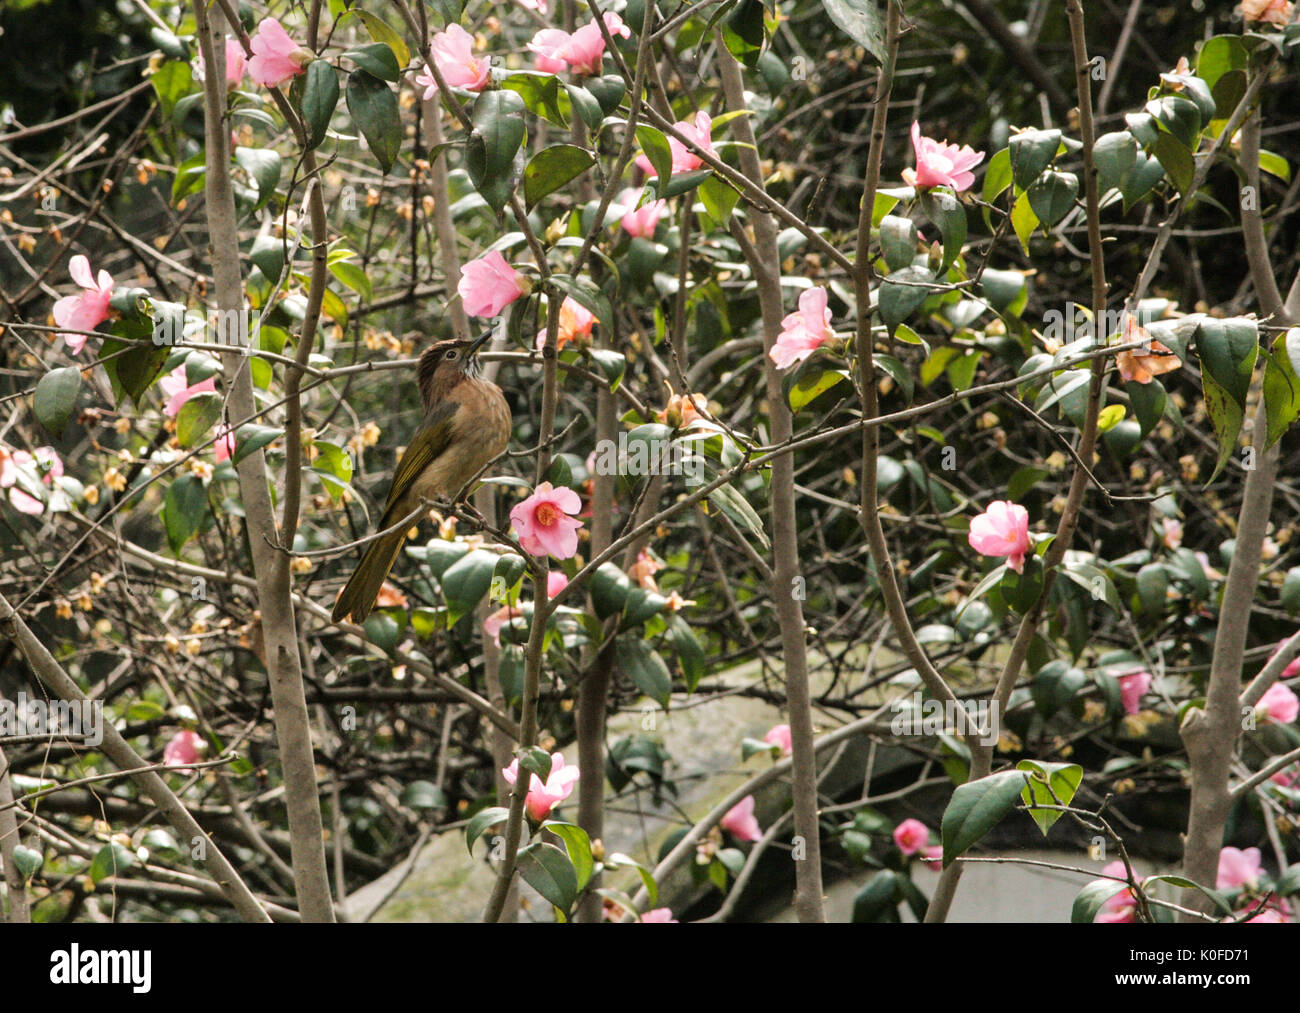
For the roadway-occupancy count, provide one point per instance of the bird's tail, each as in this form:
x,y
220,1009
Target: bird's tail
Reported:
x,y
362,590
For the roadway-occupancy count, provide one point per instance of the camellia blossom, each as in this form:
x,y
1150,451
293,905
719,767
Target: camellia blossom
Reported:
x,y
802,333
89,308
548,47
586,46
741,822
184,750
44,464
1291,670
453,52
224,446
1133,687
1002,530
911,836
663,915
576,322
1142,365
488,285
1278,705
276,57
535,5
700,133
492,624
644,569
544,523
1123,906
1172,532
542,798
779,735
1275,12
1238,868
640,222
178,390
236,62
939,163
934,853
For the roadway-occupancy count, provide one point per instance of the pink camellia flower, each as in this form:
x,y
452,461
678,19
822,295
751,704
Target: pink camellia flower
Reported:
x,y
225,444
660,914
87,310
235,64
1123,906
779,735
1278,705
640,222
1172,532
543,522
542,798
492,624
1275,12
911,836
576,322
1287,778
178,391
941,164
1133,687
802,333
22,502
44,463
934,853
1292,669
1002,530
488,285
1238,868
453,52
555,583
184,749
741,822
586,46
548,47
534,5
684,160
276,57
1269,916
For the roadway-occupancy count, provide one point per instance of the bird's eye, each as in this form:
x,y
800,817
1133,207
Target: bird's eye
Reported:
x,y
451,354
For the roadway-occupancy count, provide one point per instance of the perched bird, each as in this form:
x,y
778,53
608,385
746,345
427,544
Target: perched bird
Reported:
x,y
466,424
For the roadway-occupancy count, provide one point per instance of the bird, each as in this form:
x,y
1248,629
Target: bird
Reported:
x,y
466,425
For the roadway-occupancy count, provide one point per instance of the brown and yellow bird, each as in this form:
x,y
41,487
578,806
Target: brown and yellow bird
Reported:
x,y
466,424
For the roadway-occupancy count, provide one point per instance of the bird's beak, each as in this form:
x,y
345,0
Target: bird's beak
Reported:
x,y
478,343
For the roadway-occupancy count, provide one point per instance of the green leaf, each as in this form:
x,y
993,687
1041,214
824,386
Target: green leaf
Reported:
x,y
1115,155
610,587
862,21
719,198
353,277
55,397
1275,165
1228,349
196,417
1052,195
536,760
898,241
184,509
320,96
381,31
423,795
466,582
902,293
373,107
645,668
250,438
1152,588
1176,158
690,655
498,134
1031,152
1049,784
548,870
171,81
1147,401
609,91
998,175
584,103
588,293
1146,173
267,255
578,845
1180,117
877,901
655,146
110,860
1281,392
811,384
263,167
1290,596
1089,901
1023,220
1219,55
612,364
27,861
382,631
975,808
553,167
482,821
947,212
1003,288
376,58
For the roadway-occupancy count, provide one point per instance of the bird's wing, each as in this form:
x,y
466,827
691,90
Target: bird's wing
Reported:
x,y
432,439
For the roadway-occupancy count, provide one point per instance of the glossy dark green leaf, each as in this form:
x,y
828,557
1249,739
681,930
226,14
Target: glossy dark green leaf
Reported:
x,y
643,665
975,808
548,870
1031,152
320,96
898,241
949,214
1052,195
552,168
55,397
373,108
376,58
263,167
197,415
863,21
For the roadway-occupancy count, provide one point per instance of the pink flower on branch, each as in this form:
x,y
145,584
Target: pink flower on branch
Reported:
x,y
1238,868
939,163
1002,530
276,57
911,836
542,798
89,308
453,53
1278,705
741,822
1133,687
184,749
779,735
178,390
699,132
488,285
804,332
544,523
236,62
